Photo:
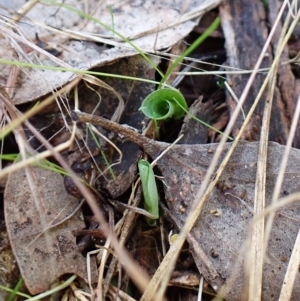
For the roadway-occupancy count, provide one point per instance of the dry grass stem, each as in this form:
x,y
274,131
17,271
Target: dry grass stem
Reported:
x,y
203,193
259,231
291,273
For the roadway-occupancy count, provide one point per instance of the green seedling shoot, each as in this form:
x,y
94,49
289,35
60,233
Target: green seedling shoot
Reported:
x,y
163,104
149,190
168,103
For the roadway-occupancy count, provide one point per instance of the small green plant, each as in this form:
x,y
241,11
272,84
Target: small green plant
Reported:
x,y
145,169
14,292
166,103
163,104
149,190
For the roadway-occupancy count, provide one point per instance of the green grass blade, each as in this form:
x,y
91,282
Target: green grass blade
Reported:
x,y
13,294
214,25
76,71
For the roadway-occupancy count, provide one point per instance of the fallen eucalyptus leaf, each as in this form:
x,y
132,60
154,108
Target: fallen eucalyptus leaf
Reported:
x,y
215,241
149,25
42,256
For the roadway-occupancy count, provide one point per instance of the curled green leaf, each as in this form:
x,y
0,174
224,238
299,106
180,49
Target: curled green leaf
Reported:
x,y
163,104
149,188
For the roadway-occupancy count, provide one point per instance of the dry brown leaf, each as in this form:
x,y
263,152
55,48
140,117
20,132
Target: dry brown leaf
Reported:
x,y
42,258
221,229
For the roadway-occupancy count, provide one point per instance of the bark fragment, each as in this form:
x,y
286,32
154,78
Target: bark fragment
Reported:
x,y
245,27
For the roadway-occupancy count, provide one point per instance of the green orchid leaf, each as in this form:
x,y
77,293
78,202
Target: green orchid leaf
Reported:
x,y
163,104
149,188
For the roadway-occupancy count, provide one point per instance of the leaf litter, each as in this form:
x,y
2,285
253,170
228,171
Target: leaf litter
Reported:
x,y
131,92
43,255
232,196
221,229
160,25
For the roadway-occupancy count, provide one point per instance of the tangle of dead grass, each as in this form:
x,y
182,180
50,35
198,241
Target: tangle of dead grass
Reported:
x,y
158,283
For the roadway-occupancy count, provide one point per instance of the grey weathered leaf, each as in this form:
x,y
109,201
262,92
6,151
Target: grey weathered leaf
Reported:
x,y
42,258
151,26
216,239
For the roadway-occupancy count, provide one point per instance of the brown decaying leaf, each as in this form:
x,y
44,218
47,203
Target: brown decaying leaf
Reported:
x,y
199,133
133,92
216,240
42,258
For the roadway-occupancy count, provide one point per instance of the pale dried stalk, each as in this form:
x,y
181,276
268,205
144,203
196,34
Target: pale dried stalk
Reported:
x,y
291,273
166,266
271,72
24,10
259,243
104,258
294,197
257,246
197,12
126,224
287,286
283,164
